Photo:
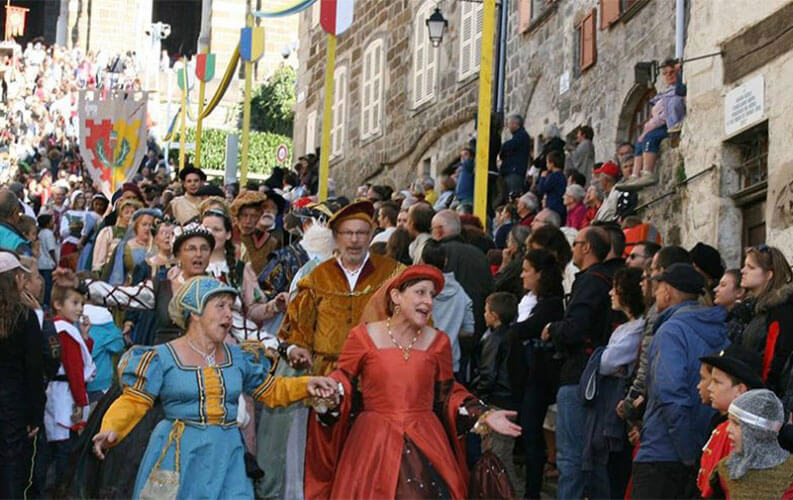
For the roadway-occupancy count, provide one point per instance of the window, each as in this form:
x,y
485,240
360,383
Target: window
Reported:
x,y
315,10
747,154
311,132
372,89
424,59
531,10
471,19
641,113
587,50
338,112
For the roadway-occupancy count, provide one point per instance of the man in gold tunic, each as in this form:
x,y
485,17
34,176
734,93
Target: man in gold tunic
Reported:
x,y
330,300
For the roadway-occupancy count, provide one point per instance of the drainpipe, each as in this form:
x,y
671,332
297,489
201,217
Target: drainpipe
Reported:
x,y
680,27
502,52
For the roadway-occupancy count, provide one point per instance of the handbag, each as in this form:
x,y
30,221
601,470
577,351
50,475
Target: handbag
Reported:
x,y
489,479
164,484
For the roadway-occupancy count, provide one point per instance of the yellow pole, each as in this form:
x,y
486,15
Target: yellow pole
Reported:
x,y
183,117
200,120
246,113
327,118
485,106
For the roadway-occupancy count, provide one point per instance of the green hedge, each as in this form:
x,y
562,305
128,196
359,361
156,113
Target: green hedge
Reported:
x,y
213,149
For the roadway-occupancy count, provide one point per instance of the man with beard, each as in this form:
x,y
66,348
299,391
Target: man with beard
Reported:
x,y
329,302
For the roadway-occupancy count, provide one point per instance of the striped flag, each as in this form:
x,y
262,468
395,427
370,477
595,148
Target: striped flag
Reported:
x,y
335,16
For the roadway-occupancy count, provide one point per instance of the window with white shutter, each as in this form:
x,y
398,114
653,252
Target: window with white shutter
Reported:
x,y
372,89
311,132
424,58
338,112
471,19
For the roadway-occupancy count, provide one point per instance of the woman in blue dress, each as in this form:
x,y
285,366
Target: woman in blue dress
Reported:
x,y
198,377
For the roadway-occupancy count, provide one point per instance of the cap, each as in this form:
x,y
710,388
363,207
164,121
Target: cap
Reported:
x,y
739,362
708,259
210,190
609,168
193,295
9,261
683,277
190,169
247,198
360,210
417,272
190,231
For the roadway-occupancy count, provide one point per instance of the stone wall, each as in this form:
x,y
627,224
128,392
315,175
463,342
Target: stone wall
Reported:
x,y
410,139
715,218
602,96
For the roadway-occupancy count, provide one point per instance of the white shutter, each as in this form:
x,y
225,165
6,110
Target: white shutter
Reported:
x,y
311,132
315,14
424,59
377,86
338,111
371,89
466,38
471,18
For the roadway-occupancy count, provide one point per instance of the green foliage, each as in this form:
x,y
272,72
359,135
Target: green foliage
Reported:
x,y
213,149
272,104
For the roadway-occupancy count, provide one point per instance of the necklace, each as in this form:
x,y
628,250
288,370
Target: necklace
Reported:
x,y
405,349
209,358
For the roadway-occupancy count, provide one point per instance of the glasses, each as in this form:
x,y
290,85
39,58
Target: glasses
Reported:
x,y
197,249
353,234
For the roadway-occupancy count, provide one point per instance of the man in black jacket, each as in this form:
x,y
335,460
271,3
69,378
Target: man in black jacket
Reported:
x,y
470,268
515,155
586,325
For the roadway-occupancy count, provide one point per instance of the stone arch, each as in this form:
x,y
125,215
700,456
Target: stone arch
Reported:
x,y
635,96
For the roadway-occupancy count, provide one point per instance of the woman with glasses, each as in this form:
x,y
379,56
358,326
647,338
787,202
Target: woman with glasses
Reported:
x,y
766,276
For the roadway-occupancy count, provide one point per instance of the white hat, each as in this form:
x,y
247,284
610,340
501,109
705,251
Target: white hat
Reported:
x,y
9,261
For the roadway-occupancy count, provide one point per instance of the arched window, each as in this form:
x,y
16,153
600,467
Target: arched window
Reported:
x,y
372,89
424,58
641,112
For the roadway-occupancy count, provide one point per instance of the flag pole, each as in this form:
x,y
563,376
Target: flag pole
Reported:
x,y
327,117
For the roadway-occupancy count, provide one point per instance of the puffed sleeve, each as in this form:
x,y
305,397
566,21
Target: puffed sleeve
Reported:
x,y
141,376
258,379
301,317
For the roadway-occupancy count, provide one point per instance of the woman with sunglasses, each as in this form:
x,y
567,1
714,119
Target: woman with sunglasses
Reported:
x,y
766,276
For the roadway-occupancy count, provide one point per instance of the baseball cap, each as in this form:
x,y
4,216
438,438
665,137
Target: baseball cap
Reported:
x,y
9,261
682,277
609,168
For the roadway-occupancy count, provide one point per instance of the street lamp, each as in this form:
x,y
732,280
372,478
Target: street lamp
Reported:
x,y
436,25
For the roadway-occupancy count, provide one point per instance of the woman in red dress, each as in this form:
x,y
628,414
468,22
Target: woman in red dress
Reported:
x,y
397,431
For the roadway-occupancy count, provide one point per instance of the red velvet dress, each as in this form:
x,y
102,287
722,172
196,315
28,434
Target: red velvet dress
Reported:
x,y
403,440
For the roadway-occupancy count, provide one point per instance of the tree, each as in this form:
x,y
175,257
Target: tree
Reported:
x,y
272,104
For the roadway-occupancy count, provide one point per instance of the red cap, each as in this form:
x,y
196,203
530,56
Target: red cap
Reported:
x,y
609,168
420,271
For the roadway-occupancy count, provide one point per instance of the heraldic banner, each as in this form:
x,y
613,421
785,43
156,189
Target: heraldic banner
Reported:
x,y
112,136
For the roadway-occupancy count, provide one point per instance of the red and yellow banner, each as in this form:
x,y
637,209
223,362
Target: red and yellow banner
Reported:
x,y
15,21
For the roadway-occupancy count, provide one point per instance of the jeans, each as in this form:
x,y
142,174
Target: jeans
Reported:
x,y
570,442
536,398
47,275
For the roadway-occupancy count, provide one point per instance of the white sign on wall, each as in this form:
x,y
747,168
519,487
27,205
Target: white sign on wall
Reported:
x,y
744,105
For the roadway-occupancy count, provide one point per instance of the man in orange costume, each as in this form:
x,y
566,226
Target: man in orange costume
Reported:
x,y
329,302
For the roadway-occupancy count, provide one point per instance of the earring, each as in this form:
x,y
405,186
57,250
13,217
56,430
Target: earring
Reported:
x,y
396,310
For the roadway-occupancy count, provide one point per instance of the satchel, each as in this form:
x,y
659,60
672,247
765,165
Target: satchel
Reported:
x,y
164,484
489,479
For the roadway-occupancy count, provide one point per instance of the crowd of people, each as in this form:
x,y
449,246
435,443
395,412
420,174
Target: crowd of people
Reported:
x,y
184,339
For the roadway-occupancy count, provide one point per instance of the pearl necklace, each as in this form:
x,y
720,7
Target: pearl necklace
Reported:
x,y
209,358
405,349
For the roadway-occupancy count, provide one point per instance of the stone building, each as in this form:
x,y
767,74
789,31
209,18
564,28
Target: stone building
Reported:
x,y
401,106
737,131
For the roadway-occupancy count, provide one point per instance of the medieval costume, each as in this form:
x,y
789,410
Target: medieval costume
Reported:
x,y
198,436
186,207
759,467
